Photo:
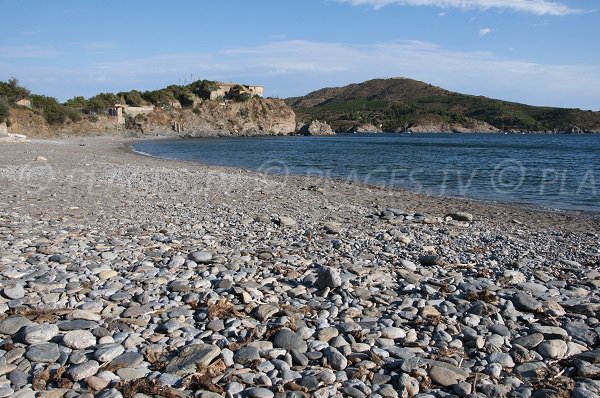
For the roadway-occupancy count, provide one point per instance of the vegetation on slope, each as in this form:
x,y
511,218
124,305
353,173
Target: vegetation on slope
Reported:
x,y
78,107
397,104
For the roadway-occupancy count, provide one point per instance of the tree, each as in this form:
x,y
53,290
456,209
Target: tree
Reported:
x,y
12,91
4,111
203,88
133,98
102,102
77,102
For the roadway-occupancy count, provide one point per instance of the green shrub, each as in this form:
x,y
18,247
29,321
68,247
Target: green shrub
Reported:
x,y
4,111
53,112
12,91
243,97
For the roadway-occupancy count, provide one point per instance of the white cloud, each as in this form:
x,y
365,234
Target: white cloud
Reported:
x,y
536,7
27,52
485,31
100,46
289,68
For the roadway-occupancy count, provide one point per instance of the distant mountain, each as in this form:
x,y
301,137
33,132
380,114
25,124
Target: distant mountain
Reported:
x,y
401,104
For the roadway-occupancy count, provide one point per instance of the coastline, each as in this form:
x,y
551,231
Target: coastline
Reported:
x,y
428,198
160,266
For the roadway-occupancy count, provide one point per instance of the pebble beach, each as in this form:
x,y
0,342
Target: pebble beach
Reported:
x,y
123,275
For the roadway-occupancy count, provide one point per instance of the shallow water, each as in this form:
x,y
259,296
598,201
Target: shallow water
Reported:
x,y
551,171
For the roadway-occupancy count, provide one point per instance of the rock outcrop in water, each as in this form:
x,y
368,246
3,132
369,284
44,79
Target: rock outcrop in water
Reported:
x,y
315,127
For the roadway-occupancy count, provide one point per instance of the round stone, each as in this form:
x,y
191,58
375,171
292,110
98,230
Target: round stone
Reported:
x,y
14,292
45,352
553,349
289,340
35,334
79,339
393,333
13,324
201,257
84,370
259,392
246,355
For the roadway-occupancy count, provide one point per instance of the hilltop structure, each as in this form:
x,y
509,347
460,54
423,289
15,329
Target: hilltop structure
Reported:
x,y
234,90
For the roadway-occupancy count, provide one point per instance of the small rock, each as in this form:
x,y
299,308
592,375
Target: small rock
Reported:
x,y
286,221
14,292
259,392
553,349
525,302
84,370
44,352
246,355
431,260
266,311
13,324
444,376
329,278
201,257
336,359
192,356
79,339
108,352
461,216
289,340
393,333
34,334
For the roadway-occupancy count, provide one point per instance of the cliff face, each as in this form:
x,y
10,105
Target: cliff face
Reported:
x,y
252,117
210,118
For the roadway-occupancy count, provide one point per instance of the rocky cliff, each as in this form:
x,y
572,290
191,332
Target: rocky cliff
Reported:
x,y
209,118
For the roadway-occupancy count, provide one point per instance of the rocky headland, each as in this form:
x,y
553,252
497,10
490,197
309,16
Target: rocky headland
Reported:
x,y
255,116
128,276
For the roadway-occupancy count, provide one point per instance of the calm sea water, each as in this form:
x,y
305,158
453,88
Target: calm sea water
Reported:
x,y
551,171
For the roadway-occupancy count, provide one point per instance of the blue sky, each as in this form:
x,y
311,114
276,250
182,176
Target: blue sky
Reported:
x,y
539,52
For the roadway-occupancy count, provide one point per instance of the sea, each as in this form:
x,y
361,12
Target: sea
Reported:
x,y
551,171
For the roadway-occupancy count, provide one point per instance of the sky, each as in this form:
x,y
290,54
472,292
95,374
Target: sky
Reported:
x,y
539,52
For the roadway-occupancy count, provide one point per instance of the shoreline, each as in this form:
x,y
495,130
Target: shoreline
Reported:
x,y
121,272
430,196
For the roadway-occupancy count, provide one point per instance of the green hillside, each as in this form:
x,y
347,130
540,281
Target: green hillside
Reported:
x,y
398,104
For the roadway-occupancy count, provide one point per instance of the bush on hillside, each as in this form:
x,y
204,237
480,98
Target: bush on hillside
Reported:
x,y
11,91
4,111
102,102
203,88
54,112
77,102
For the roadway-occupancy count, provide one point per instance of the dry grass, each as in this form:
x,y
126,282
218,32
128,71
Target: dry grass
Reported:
x,y
484,295
37,314
221,308
239,344
448,352
361,373
156,359
145,386
359,335
549,379
8,346
202,379
45,378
